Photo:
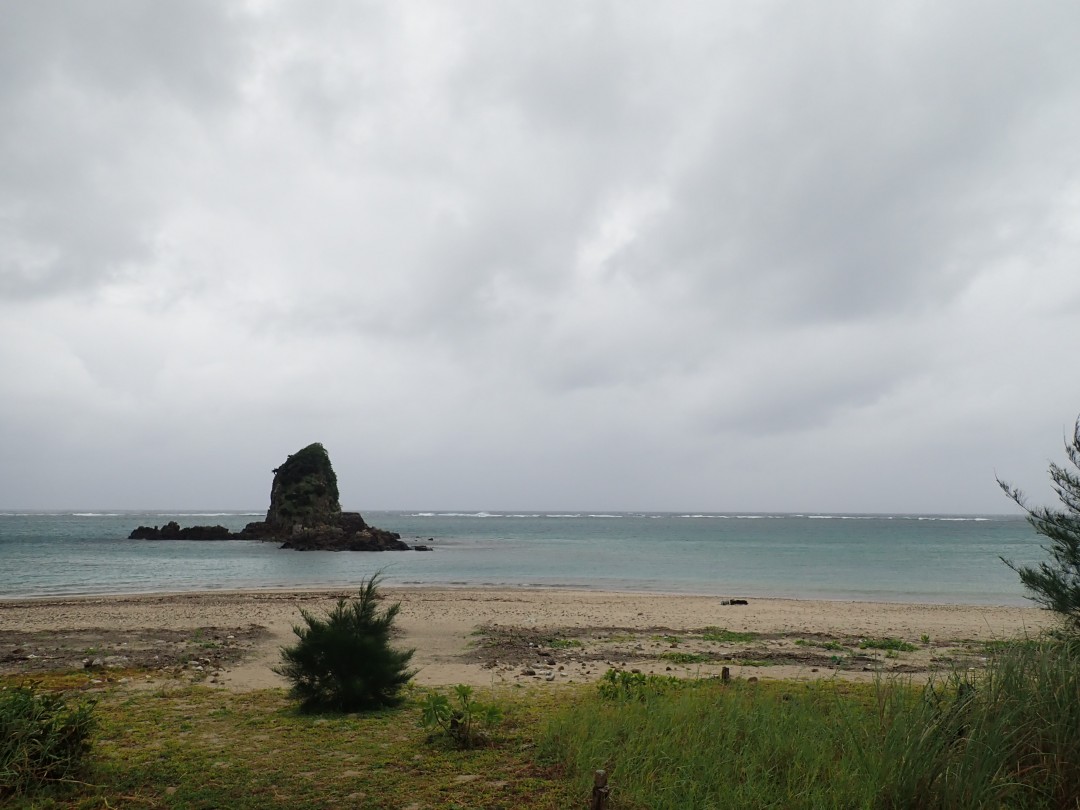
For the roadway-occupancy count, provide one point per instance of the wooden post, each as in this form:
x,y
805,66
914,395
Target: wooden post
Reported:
x,y
600,791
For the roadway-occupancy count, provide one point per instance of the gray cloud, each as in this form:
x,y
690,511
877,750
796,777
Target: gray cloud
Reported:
x,y
570,255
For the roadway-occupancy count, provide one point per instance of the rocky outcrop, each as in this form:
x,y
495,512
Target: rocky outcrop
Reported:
x,y
173,531
305,514
348,533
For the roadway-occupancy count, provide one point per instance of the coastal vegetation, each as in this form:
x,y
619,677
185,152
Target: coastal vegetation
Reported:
x,y
1055,584
1005,737
305,489
44,738
465,720
345,661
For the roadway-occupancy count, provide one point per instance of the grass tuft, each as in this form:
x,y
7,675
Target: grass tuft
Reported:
x,y
726,636
887,643
43,739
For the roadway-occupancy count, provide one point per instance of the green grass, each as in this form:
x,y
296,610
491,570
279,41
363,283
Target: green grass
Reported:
x,y
1003,738
887,643
726,636
685,658
44,738
737,745
1006,738
1006,645
198,747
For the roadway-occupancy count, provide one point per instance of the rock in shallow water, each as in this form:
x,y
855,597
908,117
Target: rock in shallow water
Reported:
x,y
305,514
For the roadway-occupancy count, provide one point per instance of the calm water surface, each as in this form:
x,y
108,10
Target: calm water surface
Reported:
x,y
906,558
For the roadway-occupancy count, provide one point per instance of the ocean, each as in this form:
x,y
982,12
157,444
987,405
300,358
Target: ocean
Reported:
x,y
945,559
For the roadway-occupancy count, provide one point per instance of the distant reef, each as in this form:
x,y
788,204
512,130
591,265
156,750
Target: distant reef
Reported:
x,y
304,514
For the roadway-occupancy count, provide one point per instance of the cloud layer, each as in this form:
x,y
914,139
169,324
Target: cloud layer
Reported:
x,y
566,255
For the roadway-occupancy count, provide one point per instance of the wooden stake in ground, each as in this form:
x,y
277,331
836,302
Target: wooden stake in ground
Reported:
x,y
600,791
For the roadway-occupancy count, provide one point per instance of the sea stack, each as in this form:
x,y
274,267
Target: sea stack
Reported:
x,y
304,492
304,514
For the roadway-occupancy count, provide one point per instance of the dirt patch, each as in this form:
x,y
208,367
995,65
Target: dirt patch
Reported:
x,y
197,650
554,653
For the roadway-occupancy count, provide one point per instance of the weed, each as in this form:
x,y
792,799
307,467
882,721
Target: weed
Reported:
x,y
685,658
42,738
726,636
462,723
618,684
886,643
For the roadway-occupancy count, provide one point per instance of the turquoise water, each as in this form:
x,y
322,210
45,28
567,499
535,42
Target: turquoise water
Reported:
x,y
900,558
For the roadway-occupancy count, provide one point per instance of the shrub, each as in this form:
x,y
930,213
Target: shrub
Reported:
x,y
462,723
345,662
1056,584
42,738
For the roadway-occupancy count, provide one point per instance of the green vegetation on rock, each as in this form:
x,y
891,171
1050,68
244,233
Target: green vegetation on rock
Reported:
x,y
305,489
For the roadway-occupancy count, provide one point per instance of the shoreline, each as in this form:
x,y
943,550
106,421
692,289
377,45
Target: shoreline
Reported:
x,y
492,636
351,588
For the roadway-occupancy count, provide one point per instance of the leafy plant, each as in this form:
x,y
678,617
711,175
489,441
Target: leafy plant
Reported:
x,y
42,738
465,723
345,662
1056,584
618,684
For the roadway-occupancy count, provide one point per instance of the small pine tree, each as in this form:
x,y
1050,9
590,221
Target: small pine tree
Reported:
x,y
1056,584
345,662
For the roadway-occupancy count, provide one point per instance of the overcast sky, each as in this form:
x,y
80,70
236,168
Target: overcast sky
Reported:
x,y
768,256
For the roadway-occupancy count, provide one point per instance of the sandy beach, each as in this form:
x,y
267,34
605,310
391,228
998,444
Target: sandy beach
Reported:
x,y
499,636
